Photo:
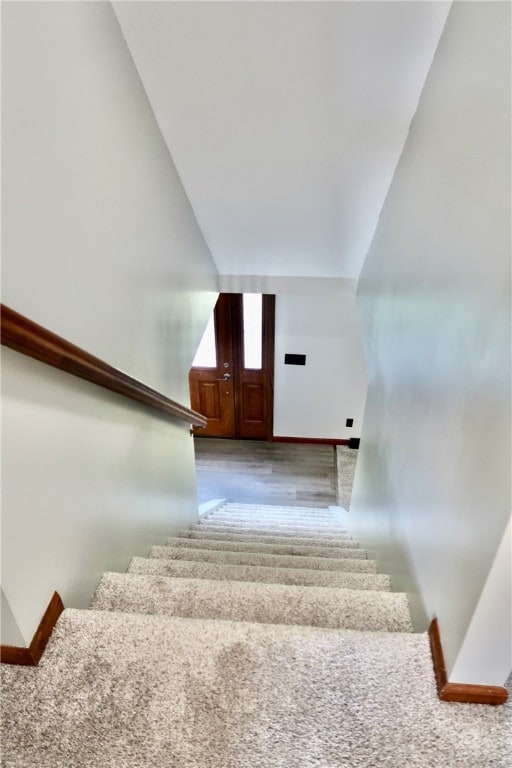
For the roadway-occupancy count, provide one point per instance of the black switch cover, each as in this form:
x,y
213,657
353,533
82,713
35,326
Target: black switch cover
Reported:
x,y
295,359
349,423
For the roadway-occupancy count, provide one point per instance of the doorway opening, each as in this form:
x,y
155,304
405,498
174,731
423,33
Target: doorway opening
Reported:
x,y
231,379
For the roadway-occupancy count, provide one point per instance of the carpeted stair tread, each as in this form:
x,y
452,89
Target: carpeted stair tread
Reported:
x,y
269,509
295,530
277,509
261,558
297,513
247,601
271,549
275,531
278,516
271,519
299,576
278,519
130,691
298,541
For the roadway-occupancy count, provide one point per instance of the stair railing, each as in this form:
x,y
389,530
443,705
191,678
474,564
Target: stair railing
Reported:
x,y
29,338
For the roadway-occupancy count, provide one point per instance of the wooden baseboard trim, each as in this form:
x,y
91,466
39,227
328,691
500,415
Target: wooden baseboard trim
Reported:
x,y
463,693
13,654
314,440
30,657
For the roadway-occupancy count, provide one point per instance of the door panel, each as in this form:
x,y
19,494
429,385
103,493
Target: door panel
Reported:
x,y
237,401
214,399
209,399
211,389
253,406
252,403
256,388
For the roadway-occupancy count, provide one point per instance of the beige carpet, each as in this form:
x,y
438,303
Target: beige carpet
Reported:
x,y
187,662
333,607
226,572
346,460
262,558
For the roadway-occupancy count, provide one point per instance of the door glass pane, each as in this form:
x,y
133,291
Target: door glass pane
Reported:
x,y
253,327
206,355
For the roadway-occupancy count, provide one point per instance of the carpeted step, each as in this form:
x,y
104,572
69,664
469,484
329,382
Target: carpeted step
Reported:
x,y
272,523
332,607
267,517
271,549
295,530
346,543
275,531
273,512
116,690
299,576
276,511
277,517
260,558
281,507
269,509
272,515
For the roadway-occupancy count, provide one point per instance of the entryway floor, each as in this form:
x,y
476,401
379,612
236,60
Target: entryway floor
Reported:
x,y
260,472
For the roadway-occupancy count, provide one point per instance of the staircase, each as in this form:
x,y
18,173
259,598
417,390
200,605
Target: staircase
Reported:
x,y
261,638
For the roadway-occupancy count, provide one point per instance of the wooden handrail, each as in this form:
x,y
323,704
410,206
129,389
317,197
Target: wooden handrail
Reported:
x,y
25,336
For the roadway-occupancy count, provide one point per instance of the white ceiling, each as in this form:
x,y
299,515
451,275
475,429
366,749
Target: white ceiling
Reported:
x,y
285,119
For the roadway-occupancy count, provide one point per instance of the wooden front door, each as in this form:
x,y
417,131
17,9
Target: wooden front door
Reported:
x,y
231,382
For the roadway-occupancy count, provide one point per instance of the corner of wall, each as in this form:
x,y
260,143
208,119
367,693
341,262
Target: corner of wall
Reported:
x,y
493,614
11,633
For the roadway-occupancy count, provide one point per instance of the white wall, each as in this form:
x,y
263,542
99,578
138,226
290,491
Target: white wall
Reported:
x,y
317,317
101,246
10,627
492,613
315,400
432,490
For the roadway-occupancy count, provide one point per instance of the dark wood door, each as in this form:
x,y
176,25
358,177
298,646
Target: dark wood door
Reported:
x,y
233,383
212,390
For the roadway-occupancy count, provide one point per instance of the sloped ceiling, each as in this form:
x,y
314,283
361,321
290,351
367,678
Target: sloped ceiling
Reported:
x,y
285,119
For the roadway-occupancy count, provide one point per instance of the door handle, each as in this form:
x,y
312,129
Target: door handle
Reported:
x,y
225,377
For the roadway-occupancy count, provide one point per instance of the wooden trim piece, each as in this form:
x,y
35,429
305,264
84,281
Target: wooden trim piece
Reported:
x,y
313,440
13,654
269,333
464,693
23,335
30,657
437,655
474,694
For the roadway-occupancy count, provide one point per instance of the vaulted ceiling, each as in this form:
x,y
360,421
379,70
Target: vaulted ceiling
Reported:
x,y
285,120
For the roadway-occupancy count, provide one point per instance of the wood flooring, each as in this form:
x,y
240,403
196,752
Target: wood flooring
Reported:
x,y
259,472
